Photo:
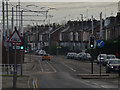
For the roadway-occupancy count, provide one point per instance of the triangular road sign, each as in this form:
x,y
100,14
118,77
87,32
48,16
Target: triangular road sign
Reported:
x,y
15,38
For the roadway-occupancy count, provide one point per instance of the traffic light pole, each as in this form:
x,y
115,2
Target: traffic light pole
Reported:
x,y
92,46
91,61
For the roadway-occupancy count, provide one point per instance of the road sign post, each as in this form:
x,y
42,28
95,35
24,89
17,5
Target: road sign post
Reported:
x,y
100,43
15,39
15,70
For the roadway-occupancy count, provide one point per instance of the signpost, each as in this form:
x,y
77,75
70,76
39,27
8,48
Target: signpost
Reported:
x,y
15,39
100,43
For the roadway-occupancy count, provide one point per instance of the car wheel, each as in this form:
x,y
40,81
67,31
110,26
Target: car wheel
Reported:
x,y
97,62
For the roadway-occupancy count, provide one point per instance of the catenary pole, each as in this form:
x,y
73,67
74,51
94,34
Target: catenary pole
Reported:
x,y
7,48
3,9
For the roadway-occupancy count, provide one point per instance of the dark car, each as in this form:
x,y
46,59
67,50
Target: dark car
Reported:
x,y
112,65
109,57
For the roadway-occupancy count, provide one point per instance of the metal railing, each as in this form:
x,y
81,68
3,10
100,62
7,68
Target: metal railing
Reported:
x,y
8,69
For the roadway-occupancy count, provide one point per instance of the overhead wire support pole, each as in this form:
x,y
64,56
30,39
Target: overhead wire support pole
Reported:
x,y
92,25
36,35
16,18
3,12
7,48
12,24
19,16
101,25
100,38
82,32
22,23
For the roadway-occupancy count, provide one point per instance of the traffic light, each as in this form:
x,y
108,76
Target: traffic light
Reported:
x,y
92,42
21,47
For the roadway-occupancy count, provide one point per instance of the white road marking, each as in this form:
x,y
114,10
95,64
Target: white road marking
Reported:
x,y
41,67
28,84
69,67
52,67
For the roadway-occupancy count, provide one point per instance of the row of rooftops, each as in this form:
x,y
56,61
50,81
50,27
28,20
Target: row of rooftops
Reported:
x,y
77,25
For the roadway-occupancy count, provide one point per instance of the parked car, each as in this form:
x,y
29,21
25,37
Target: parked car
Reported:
x,y
71,55
110,56
36,52
46,57
101,57
112,65
75,56
80,56
86,56
68,55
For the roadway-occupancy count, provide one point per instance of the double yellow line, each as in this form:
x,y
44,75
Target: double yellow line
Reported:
x,y
35,86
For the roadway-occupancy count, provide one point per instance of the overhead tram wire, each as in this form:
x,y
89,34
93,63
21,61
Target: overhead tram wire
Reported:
x,y
27,10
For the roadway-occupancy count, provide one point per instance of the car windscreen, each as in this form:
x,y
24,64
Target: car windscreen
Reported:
x,y
114,62
110,57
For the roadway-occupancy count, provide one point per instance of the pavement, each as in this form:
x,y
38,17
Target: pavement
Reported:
x,y
22,82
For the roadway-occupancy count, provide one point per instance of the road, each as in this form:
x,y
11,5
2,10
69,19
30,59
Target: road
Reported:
x,y
61,73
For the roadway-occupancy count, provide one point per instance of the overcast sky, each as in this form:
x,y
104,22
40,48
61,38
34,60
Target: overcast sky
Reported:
x,y
65,11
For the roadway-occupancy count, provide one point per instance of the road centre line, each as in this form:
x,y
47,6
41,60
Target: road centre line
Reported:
x,y
36,83
69,67
33,84
52,67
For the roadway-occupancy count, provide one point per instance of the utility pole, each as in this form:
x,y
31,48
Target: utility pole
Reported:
x,y
49,37
7,48
12,24
36,35
16,18
19,17
101,25
100,38
22,23
82,32
3,20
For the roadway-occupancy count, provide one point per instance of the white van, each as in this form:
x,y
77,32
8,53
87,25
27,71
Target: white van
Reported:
x,y
41,52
